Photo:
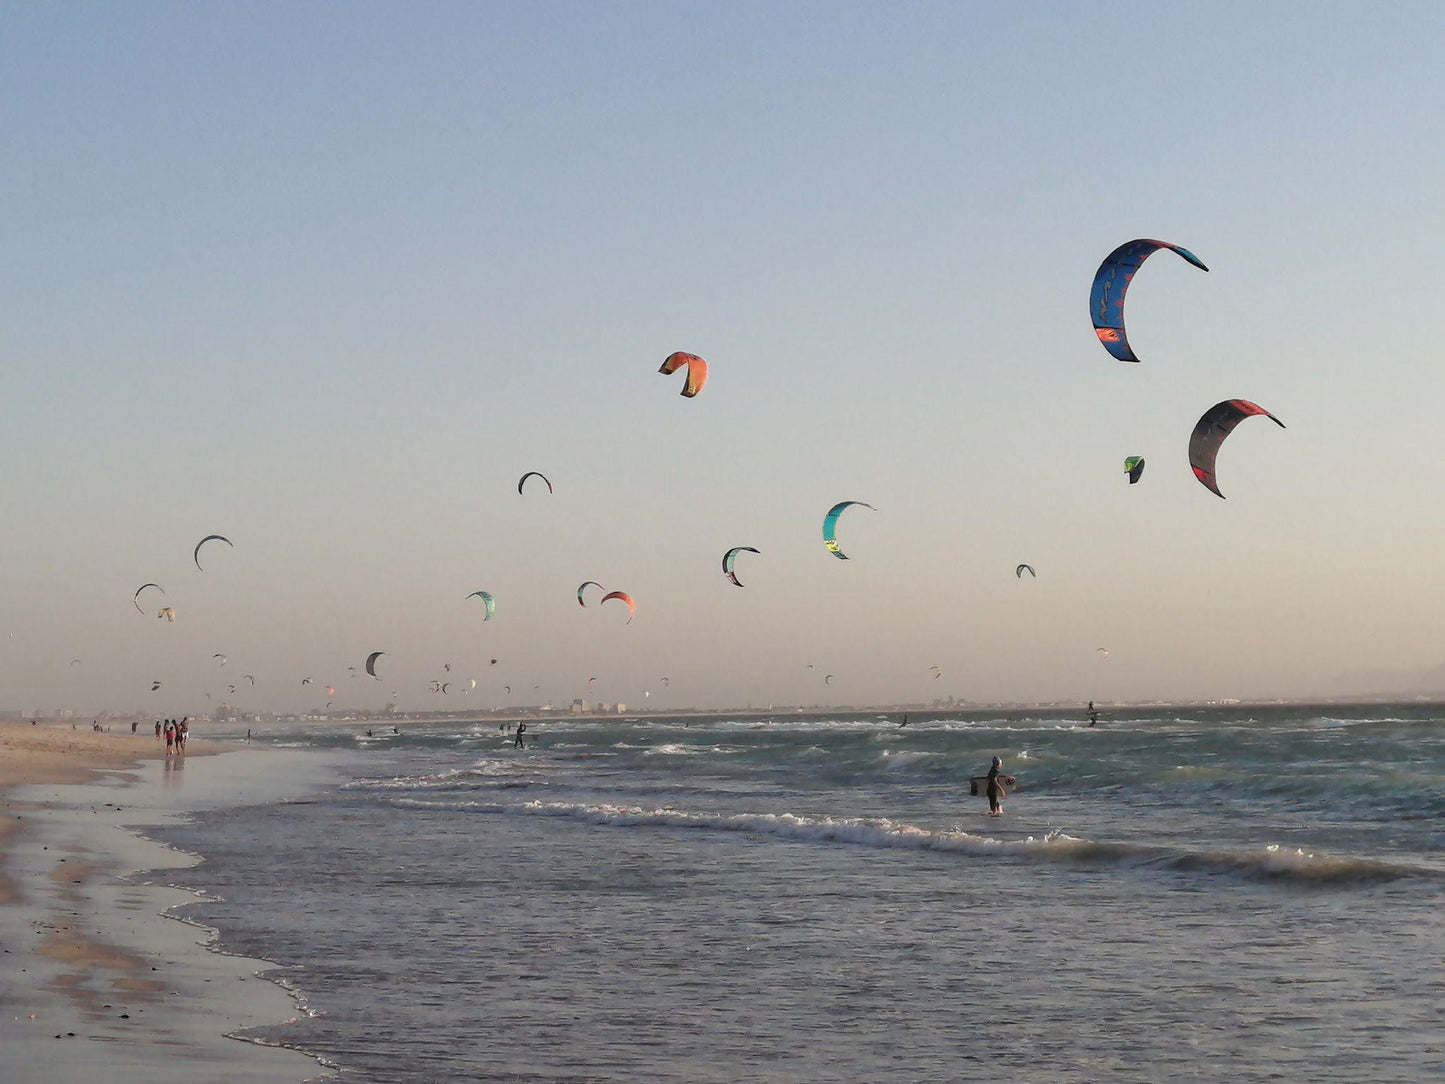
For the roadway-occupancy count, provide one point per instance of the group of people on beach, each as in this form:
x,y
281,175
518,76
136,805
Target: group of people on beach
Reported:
x,y
175,734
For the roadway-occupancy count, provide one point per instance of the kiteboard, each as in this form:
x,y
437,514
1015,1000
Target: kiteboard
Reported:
x,y
978,784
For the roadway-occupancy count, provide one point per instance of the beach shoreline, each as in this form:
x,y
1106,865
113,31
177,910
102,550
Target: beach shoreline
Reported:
x,y
97,979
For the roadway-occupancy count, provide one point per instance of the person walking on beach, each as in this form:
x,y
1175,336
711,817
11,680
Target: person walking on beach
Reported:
x,y
521,729
158,730
133,724
182,732
170,738
1093,713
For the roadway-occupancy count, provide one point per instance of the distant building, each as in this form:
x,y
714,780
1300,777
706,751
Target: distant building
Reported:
x,y
579,706
621,708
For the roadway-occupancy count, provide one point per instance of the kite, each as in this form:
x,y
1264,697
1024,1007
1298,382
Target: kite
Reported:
x,y
196,554
1019,572
582,587
305,681
830,526
507,689
249,678
1103,652
155,685
533,474
730,558
937,672
696,371
1111,283
666,681
136,597
490,602
168,613
371,663
1135,466
624,597
221,657
827,679
1209,433
330,691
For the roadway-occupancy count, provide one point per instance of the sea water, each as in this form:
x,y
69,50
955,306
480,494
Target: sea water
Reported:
x,y
1240,894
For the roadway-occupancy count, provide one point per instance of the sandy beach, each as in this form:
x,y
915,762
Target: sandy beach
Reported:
x,y
96,982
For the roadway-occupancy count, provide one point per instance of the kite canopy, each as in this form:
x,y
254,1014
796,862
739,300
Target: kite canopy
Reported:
x,y
830,526
582,587
533,474
196,554
1111,283
1209,433
135,599
1019,572
371,662
696,371
624,597
1134,464
730,558
168,613
490,603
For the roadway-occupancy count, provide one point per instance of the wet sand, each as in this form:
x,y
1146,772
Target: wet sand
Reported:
x,y
96,982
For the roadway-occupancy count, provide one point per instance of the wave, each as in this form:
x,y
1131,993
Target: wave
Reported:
x,y
1269,863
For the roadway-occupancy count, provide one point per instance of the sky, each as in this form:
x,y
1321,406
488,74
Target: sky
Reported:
x,y
327,279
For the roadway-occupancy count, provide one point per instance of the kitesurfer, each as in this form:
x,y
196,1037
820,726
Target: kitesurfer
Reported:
x,y
521,729
905,721
1093,713
995,787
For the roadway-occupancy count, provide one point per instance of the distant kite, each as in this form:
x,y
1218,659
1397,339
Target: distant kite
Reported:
x,y
136,597
696,371
830,526
730,558
583,587
1019,572
488,601
1209,433
1134,466
371,663
196,554
1111,283
623,596
533,474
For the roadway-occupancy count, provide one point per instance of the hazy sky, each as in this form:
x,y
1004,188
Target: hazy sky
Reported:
x,y
328,279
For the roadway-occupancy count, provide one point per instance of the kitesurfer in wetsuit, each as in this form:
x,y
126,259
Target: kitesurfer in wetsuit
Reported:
x,y
905,721
1093,713
521,729
995,787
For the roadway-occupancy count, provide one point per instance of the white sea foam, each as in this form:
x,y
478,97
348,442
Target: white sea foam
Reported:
x,y
1270,862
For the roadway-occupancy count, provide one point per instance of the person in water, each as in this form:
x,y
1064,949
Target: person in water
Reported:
x,y
1093,713
521,729
996,792
905,721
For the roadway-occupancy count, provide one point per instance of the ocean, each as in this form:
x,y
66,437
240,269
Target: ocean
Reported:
x,y
1224,893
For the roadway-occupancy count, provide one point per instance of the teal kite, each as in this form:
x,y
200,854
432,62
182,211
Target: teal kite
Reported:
x,y
830,526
